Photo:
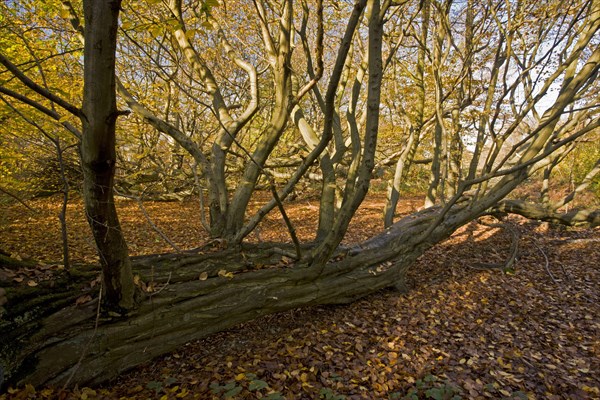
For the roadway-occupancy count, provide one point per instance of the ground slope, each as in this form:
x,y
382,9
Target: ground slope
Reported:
x,y
532,331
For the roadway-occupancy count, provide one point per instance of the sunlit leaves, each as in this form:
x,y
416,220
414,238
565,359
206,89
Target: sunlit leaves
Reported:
x,y
39,40
475,333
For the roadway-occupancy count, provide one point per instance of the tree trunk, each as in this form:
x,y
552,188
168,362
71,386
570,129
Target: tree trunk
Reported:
x,y
98,154
543,213
47,339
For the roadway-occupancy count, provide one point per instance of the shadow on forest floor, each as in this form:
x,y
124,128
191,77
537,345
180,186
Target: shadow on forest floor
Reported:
x,y
532,332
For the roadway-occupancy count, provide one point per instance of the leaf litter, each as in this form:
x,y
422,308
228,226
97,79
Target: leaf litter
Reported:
x,y
459,332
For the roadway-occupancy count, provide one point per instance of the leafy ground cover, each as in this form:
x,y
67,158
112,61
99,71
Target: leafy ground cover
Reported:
x,y
460,331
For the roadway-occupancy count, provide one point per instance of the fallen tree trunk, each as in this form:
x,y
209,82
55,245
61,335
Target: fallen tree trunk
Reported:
x,y
541,213
47,339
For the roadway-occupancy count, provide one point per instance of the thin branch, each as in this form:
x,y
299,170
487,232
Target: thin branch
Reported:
x,y
546,263
201,196
14,196
288,223
276,197
509,263
140,204
39,89
51,113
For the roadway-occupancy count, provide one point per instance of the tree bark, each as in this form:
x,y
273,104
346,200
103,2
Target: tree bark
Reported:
x,y
98,155
543,213
48,339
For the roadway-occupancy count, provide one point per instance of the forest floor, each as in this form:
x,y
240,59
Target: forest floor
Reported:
x,y
532,331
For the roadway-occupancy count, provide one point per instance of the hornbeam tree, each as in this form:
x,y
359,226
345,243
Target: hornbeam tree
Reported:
x,y
98,154
98,117
493,92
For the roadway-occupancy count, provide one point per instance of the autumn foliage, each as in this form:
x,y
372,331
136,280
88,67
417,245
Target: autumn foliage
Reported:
x,y
460,330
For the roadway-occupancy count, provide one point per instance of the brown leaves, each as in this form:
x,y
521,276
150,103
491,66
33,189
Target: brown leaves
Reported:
x,y
30,276
477,334
83,299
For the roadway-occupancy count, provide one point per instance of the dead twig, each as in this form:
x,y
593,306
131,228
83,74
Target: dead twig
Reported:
x,y
156,229
546,263
288,223
509,263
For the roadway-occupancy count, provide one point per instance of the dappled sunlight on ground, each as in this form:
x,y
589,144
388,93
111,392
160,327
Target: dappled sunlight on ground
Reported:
x,y
36,234
532,331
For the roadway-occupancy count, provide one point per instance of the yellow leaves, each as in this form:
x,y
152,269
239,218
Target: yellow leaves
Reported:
x,y
28,390
503,364
240,376
137,281
190,33
224,274
65,13
591,389
155,31
87,393
126,25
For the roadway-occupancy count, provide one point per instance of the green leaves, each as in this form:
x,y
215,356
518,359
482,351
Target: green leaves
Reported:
x,y
328,394
228,390
244,382
232,392
257,384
